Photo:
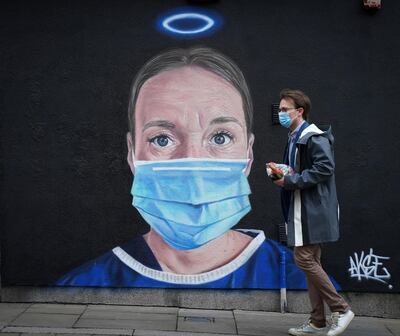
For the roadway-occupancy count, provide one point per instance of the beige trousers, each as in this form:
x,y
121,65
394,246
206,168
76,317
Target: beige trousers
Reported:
x,y
320,287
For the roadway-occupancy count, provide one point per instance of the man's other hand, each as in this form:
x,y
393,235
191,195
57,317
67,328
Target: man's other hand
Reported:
x,y
279,182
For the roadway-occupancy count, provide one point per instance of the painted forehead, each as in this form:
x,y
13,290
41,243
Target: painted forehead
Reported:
x,y
167,78
189,80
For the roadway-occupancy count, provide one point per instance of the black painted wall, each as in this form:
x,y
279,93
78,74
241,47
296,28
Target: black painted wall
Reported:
x,y
65,71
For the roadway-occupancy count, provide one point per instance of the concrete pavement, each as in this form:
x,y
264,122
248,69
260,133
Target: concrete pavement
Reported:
x,y
33,319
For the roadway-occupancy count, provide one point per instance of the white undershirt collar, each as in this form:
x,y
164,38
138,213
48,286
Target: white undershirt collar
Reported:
x,y
194,279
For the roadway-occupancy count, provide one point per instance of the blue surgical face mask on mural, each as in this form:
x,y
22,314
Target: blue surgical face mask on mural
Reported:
x,y
284,119
189,202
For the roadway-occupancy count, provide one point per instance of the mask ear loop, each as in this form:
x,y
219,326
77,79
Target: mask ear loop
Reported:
x,y
131,154
247,164
133,159
249,155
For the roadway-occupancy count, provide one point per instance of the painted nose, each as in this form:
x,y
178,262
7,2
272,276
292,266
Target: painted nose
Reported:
x,y
195,149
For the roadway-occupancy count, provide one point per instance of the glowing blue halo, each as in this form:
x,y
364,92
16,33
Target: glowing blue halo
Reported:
x,y
209,23
189,22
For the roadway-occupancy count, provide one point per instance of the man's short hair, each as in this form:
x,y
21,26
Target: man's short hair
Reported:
x,y
206,58
299,98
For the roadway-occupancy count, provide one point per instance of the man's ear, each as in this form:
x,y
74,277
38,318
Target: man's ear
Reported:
x,y
301,111
131,153
250,155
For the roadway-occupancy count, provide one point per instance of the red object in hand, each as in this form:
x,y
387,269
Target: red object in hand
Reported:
x,y
277,170
274,171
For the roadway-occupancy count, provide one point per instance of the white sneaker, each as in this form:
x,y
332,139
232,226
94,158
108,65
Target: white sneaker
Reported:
x,y
307,329
340,322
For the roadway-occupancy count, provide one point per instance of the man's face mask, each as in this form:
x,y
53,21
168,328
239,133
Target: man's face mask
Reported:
x,y
284,119
189,202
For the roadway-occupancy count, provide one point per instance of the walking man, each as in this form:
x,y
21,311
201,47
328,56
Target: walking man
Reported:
x,y
311,211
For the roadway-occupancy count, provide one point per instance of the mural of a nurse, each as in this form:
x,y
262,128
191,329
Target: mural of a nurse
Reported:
x,y
190,151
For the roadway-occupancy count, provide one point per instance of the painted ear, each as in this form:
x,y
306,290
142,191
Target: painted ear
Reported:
x,y
131,153
250,155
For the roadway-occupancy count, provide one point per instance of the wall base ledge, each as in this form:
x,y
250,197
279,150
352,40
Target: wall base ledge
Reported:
x,y
385,305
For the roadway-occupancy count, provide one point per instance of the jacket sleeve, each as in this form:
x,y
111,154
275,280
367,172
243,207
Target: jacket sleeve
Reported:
x,y
322,167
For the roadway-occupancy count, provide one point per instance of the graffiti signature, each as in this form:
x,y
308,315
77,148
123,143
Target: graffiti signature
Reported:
x,y
369,266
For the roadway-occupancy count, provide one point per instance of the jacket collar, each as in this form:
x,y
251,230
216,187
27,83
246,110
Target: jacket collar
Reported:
x,y
309,132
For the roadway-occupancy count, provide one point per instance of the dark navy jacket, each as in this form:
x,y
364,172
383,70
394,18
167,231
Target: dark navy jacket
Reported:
x,y
313,216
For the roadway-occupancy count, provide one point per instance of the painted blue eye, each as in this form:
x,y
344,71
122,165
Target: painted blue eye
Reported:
x,y
161,141
221,139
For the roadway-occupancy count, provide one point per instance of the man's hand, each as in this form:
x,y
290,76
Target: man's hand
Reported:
x,y
279,182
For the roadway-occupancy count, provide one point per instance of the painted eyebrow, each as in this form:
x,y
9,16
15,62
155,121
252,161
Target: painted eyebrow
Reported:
x,y
221,120
158,123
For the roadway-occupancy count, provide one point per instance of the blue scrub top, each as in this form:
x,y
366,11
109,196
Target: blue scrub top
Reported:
x,y
134,265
